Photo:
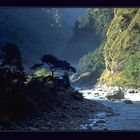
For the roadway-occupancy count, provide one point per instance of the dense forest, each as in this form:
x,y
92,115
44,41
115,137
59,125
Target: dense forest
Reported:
x,y
91,64
58,64
35,29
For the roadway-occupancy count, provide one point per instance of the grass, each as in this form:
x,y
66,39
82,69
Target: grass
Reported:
x,y
123,45
42,72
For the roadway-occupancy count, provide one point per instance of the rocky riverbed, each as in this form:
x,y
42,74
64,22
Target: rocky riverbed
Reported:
x,y
68,117
127,108
97,112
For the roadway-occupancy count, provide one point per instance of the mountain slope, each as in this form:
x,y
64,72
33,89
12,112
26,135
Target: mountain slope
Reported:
x,y
37,30
89,32
122,49
33,30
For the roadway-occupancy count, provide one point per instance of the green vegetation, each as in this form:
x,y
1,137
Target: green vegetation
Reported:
x,y
91,67
85,62
97,22
89,33
42,72
92,61
11,69
40,28
97,60
122,49
102,19
56,17
25,95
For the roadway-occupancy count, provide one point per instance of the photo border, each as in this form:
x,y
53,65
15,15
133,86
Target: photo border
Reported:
x,y
70,135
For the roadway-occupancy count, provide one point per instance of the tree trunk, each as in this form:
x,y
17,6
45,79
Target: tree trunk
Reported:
x,y
52,71
52,74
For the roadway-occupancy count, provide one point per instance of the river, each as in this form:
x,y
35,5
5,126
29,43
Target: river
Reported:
x,y
128,117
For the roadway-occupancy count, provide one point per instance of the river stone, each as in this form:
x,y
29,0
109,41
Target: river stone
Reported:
x,y
49,123
100,121
43,128
115,95
32,128
96,94
101,97
128,102
100,89
131,91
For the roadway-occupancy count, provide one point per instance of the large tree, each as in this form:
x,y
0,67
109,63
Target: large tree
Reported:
x,y
54,64
51,61
11,69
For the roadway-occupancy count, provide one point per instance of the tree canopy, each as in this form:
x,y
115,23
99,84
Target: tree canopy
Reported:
x,y
54,64
11,69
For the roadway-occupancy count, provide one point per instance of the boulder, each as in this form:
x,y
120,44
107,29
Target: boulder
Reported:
x,y
115,95
100,89
101,97
131,91
101,121
128,102
49,124
97,94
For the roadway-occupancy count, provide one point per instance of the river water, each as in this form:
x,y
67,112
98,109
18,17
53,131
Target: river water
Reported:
x,y
128,117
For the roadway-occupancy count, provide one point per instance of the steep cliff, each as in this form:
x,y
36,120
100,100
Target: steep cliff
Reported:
x,y
122,49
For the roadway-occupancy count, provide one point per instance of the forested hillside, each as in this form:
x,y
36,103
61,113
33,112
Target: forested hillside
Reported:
x,y
36,30
122,51
91,64
89,32
31,29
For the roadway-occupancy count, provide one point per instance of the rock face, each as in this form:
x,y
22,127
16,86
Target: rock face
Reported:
x,y
121,51
128,102
115,95
131,91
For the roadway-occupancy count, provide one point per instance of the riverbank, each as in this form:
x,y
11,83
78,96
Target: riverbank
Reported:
x,y
128,117
94,113
67,117
102,91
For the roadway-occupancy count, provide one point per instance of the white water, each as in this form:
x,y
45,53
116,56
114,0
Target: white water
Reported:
x,y
129,118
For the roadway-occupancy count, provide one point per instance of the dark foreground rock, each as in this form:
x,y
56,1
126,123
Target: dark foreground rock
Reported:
x,y
66,116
